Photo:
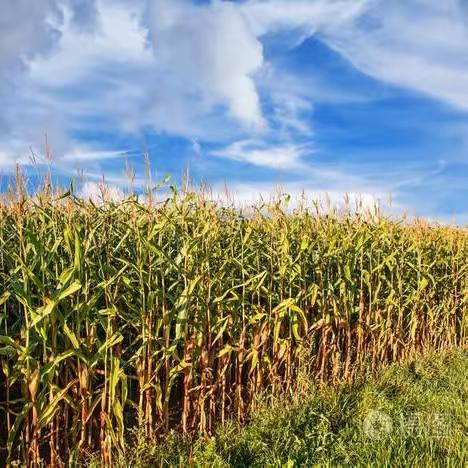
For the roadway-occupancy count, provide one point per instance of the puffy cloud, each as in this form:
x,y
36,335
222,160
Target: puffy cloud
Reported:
x,y
29,29
172,69
89,61
26,29
210,52
59,81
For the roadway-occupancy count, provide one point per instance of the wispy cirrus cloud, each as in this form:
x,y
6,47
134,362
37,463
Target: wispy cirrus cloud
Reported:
x,y
300,18
421,45
79,155
259,153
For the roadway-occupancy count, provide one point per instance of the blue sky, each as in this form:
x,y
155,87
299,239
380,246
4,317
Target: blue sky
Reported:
x,y
365,97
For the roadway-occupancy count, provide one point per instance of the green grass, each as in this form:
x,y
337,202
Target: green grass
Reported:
x,y
326,427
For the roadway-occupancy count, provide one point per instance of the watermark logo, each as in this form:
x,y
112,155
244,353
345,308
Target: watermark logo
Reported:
x,y
378,425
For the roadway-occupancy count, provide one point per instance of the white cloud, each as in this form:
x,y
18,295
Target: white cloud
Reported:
x,y
32,28
302,17
209,51
299,193
5,160
199,59
112,79
81,85
82,154
196,147
100,192
26,30
116,40
258,153
29,30
421,45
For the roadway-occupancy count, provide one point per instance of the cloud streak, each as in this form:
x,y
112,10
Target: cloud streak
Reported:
x,y
421,45
286,157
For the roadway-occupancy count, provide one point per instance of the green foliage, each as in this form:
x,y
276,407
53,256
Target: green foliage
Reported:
x,y
176,315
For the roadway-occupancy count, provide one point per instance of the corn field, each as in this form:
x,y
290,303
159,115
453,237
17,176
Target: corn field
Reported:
x,y
175,314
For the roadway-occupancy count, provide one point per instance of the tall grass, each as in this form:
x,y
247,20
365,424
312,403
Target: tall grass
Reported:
x,y
175,314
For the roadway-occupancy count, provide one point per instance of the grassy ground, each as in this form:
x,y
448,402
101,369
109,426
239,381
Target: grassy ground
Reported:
x,y
411,415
